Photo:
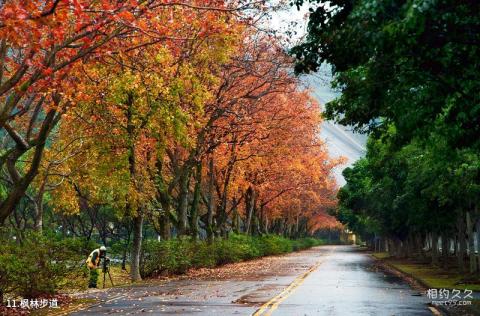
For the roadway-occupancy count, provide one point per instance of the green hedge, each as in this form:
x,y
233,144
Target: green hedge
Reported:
x,y
178,255
37,265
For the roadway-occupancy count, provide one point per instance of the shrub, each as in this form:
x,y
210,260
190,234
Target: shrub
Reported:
x,y
305,243
38,265
273,245
203,255
248,244
226,251
178,255
171,256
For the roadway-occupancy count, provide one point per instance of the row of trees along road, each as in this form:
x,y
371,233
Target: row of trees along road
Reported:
x,y
408,75
177,117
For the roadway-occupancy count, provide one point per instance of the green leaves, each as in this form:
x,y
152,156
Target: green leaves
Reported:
x,y
402,62
406,72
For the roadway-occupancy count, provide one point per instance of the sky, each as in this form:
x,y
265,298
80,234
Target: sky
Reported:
x,y
340,140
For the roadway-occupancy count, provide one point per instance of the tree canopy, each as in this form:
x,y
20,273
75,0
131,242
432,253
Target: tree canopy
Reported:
x,y
407,75
125,119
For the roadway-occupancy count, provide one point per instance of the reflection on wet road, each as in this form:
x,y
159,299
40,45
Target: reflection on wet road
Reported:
x,y
346,284
327,280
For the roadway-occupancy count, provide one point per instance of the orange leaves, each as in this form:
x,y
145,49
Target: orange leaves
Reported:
x,y
139,103
54,34
139,79
126,16
268,137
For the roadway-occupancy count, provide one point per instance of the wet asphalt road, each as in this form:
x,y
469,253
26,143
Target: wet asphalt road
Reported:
x,y
327,280
347,284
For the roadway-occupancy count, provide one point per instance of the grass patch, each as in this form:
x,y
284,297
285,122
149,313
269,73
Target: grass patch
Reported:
x,y
120,277
433,277
381,255
78,280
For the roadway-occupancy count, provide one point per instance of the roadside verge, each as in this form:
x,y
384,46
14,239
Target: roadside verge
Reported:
x,y
422,282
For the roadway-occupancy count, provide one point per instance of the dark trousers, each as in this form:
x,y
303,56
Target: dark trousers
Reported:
x,y
93,278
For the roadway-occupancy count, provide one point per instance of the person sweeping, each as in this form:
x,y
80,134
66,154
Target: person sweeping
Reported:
x,y
93,263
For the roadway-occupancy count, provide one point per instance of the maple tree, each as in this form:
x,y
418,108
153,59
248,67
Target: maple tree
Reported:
x,y
264,121
44,42
142,117
139,103
281,163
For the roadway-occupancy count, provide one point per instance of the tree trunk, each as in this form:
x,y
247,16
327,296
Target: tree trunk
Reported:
x,y
165,200
409,245
295,232
210,202
125,249
37,202
477,234
434,248
21,184
249,206
445,249
265,223
289,233
182,210
461,244
165,225
136,247
38,208
471,244
235,220
391,247
256,231
419,245
196,202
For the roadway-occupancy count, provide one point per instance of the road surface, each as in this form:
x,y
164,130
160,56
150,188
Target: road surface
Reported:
x,y
341,141
326,280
